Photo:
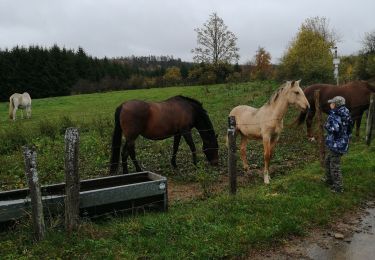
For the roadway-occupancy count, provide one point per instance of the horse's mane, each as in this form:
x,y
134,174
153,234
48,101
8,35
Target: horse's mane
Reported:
x,y
189,99
198,107
276,94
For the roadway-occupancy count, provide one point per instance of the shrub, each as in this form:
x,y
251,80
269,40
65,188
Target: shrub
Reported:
x,y
48,128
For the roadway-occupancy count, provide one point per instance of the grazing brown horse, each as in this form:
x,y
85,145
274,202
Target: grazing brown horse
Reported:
x,y
175,117
266,123
356,94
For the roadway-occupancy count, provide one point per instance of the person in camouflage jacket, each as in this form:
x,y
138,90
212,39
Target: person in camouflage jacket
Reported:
x,y
339,128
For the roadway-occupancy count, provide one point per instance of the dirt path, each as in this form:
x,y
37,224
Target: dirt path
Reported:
x,y
352,237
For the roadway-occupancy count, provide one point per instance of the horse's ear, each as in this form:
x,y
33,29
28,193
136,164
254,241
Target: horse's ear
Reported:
x,y
292,83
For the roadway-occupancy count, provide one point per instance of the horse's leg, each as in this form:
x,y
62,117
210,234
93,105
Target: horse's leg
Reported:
x,y
21,113
189,140
28,112
267,157
14,113
124,157
309,120
243,147
176,143
131,149
357,125
272,146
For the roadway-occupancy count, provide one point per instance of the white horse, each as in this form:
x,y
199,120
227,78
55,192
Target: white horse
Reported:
x,y
19,101
266,123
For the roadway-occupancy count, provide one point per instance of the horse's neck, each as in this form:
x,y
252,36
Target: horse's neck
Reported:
x,y
278,109
202,126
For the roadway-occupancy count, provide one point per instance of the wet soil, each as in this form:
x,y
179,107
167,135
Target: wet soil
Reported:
x,y
352,237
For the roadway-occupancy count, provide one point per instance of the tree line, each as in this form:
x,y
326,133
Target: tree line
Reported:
x,y
56,71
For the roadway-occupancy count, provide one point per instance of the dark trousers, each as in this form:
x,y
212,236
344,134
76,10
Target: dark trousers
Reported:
x,y
333,170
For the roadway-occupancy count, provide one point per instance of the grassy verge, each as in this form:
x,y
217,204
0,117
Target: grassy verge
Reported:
x,y
217,227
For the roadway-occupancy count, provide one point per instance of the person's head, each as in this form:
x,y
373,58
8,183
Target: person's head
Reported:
x,y
335,102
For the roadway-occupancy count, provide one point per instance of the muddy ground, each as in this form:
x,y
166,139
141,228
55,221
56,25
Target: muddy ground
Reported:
x,y
351,237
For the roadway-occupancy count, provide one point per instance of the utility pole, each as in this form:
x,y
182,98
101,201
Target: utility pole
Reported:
x,y
336,62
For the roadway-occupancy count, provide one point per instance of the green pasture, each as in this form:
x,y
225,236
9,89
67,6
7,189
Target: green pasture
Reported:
x,y
212,226
221,226
93,115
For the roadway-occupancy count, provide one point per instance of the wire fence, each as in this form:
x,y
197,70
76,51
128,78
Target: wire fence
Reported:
x,y
143,144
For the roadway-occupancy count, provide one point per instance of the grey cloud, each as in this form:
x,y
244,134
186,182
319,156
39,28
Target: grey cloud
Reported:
x,y
115,28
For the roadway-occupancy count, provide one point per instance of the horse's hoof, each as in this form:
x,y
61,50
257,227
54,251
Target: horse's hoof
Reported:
x,y
312,139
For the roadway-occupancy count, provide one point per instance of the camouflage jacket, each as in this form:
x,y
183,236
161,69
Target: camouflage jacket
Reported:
x,y
339,129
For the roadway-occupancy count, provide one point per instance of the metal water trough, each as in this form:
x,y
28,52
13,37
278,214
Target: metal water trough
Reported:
x,y
97,196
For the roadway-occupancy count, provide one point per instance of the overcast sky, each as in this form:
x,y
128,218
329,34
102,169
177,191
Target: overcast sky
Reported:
x,y
116,28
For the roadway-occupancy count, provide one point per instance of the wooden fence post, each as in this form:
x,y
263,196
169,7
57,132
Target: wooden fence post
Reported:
x,y
71,179
370,119
232,160
320,127
35,193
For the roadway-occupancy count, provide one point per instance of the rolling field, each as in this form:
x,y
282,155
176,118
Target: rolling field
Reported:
x,y
214,226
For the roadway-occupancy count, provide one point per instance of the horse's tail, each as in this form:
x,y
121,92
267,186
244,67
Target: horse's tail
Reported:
x,y
116,142
11,107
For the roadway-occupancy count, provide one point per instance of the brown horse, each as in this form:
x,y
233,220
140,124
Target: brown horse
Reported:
x,y
175,117
266,122
356,94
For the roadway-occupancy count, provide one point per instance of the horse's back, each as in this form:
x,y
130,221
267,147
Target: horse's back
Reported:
x,y
243,111
355,93
23,99
155,120
247,121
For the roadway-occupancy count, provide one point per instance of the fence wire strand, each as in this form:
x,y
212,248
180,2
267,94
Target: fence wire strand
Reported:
x,y
87,117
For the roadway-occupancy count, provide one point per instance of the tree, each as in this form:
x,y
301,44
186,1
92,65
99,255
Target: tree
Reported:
x,y
308,57
368,43
172,75
216,44
320,25
261,68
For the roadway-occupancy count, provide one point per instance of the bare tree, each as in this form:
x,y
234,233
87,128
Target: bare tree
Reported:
x,y
321,26
368,43
215,42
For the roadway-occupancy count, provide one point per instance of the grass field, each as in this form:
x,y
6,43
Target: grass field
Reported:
x,y
210,227
93,114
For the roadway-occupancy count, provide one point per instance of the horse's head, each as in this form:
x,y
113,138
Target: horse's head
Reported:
x,y
211,148
296,96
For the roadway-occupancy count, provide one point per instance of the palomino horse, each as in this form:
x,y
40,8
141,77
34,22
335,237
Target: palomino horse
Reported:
x,y
356,94
175,117
266,123
19,101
